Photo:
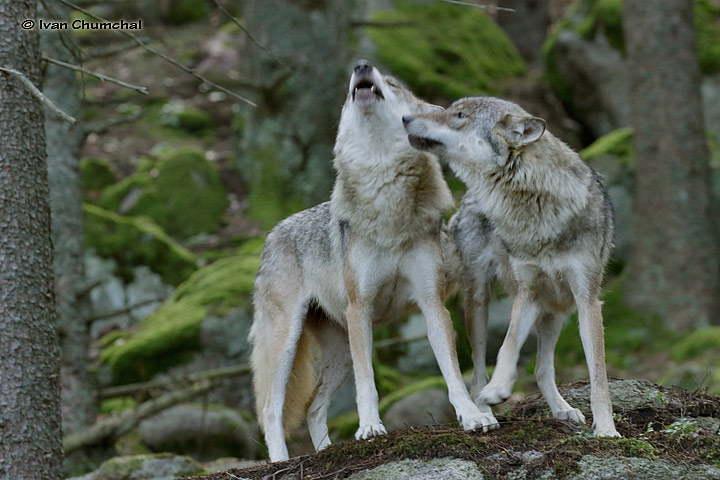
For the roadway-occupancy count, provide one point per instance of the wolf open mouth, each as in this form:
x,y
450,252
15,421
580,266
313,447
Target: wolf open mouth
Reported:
x,y
423,143
366,89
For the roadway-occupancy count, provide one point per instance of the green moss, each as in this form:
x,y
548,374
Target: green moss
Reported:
x,y
119,404
697,343
531,434
440,50
179,115
96,174
707,27
629,447
181,192
132,241
186,11
170,335
618,143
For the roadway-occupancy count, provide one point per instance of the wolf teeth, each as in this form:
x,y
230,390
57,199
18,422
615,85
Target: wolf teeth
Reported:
x,y
373,89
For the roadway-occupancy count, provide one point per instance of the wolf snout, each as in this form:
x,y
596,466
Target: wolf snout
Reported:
x,y
407,119
363,67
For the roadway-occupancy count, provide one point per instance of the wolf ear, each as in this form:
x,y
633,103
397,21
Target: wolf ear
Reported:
x,y
519,131
430,108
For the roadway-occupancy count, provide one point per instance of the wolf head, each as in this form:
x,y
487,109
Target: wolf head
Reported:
x,y
373,110
475,134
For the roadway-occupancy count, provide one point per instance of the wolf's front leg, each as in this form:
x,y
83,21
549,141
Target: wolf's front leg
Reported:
x,y
360,335
523,316
428,285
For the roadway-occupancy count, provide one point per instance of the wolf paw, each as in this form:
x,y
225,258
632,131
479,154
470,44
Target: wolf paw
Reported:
x,y
572,414
606,431
486,421
368,431
492,395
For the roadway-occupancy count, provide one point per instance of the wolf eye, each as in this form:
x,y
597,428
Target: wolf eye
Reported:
x,y
460,115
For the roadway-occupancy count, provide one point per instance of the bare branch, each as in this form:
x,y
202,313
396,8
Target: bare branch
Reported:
x,y
245,30
38,94
102,77
469,4
120,423
216,373
102,127
157,52
109,51
124,311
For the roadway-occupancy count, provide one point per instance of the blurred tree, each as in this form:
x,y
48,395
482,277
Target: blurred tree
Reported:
x,y
64,144
30,432
674,264
300,67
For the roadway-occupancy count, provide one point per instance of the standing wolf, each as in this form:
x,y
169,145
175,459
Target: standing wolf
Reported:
x,y
332,271
537,219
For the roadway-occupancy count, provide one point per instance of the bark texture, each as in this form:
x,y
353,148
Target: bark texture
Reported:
x,y
30,433
674,261
64,144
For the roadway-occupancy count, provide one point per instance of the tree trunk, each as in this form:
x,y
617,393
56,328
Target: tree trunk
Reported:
x,y
64,144
674,264
30,433
301,76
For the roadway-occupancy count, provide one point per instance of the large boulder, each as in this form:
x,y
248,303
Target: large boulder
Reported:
x,y
204,432
165,466
436,469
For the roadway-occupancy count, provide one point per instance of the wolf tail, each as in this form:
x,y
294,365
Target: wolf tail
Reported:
x,y
301,383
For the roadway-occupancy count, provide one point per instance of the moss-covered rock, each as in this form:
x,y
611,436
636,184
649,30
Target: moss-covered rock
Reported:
x,y
181,192
444,51
179,115
133,241
96,175
171,334
617,143
162,466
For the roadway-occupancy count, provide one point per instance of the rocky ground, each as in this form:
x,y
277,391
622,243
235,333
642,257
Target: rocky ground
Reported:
x,y
666,434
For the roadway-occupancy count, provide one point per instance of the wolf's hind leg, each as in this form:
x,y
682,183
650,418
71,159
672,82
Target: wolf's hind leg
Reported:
x,y
284,345
476,301
335,366
548,328
524,313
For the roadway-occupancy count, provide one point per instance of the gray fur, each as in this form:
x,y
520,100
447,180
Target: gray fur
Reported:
x,y
376,250
537,219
